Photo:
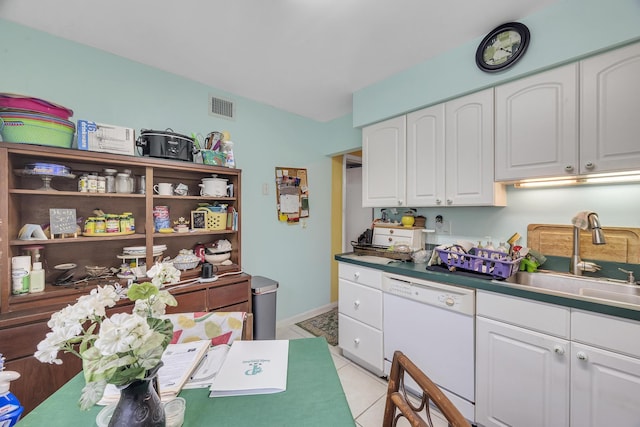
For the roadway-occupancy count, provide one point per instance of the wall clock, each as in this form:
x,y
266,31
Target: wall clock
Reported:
x,y
502,47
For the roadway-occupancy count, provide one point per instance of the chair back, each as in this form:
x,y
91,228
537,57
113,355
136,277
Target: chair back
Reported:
x,y
218,326
400,404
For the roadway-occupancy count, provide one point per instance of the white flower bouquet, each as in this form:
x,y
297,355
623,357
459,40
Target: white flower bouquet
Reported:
x,y
118,349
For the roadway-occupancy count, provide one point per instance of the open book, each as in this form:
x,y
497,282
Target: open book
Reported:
x,y
179,361
253,367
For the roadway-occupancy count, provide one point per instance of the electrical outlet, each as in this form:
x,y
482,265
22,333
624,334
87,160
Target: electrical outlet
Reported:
x,y
443,227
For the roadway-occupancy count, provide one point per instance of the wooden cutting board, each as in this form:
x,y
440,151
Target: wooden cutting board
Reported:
x,y
623,244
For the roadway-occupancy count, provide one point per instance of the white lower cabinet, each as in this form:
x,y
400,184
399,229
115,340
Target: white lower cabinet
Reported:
x,y
605,371
522,376
539,364
360,316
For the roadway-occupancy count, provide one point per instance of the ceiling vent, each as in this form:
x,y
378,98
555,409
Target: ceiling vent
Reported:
x,y
221,108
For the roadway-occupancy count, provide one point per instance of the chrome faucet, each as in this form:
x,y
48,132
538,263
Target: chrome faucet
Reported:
x,y
577,266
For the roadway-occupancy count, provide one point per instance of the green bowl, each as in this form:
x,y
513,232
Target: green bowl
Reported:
x,y
30,131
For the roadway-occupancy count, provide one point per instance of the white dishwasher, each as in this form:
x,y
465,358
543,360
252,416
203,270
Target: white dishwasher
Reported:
x,y
433,324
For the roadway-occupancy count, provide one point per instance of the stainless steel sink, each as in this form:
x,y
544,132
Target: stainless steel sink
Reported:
x,y
586,288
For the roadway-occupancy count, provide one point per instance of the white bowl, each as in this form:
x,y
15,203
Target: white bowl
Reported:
x,y
217,258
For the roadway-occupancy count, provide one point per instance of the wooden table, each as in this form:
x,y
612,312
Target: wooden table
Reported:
x,y
314,397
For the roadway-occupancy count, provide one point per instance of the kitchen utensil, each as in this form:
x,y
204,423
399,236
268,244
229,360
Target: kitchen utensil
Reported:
x,y
166,145
216,187
163,189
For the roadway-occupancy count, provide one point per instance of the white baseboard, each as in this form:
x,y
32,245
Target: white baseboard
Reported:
x,y
306,315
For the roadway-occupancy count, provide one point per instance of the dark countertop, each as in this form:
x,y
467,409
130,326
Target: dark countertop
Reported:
x,y
483,282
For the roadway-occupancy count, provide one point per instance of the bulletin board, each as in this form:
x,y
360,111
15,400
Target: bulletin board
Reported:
x,y
292,194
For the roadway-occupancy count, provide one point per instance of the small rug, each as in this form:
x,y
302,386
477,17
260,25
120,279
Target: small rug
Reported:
x,y
323,325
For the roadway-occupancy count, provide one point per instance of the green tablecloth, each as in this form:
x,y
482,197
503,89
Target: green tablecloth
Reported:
x,y
314,397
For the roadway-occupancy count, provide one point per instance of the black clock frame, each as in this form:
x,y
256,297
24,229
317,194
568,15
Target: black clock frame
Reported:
x,y
525,37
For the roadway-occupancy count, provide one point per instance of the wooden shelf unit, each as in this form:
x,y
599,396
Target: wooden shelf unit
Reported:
x,y
23,318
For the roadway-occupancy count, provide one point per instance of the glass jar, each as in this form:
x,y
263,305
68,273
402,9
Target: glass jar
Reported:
x,y
110,179
83,183
92,183
102,184
122,183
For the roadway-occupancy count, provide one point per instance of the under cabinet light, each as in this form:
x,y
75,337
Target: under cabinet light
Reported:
x,y
623,177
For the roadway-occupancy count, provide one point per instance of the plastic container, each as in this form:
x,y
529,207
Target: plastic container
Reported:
x,y
491,262
36,129
37,278
10,408
28,103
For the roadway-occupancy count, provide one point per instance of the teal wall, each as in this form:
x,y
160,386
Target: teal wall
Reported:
x,y
105,88
566,31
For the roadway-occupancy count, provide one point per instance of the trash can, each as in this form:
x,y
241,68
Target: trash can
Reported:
x,y
263,299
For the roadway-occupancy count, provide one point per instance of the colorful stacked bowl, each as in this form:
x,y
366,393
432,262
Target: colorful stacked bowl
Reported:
x,y
36,128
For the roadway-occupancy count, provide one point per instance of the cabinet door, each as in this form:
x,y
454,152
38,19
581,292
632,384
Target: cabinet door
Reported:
x,y
384,163
425,157
536,126
609,102
522,377
604,388
469,152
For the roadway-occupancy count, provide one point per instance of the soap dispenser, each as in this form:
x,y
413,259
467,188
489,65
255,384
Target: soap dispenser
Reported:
x,y
10,408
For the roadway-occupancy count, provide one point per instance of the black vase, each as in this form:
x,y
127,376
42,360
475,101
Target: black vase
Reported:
x,y
139,404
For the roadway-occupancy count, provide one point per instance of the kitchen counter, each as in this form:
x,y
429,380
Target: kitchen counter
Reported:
x,y
477,281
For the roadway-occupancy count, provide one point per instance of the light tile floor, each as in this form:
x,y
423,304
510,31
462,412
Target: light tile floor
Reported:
x,y
365,391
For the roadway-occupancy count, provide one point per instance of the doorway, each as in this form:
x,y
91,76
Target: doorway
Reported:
x,y
355,218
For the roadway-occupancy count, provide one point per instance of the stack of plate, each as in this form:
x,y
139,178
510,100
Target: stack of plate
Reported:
x,y
141,251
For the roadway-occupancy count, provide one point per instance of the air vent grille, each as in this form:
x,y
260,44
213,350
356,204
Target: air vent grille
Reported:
x,y
221,108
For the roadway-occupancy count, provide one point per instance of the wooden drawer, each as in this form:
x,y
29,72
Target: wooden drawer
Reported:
x,y
190,302
535,315
22,341
362,275
223,296
361,303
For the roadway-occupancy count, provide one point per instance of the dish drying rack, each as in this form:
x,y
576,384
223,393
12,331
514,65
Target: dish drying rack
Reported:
x,y
381,251
484,261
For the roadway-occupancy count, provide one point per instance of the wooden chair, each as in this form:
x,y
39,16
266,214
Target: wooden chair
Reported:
x,y
219,327
397,397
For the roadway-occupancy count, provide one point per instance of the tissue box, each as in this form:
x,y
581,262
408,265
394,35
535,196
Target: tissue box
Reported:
x,y
105,138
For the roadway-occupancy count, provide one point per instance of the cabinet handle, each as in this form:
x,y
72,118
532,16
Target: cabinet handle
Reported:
x,y
438,201
449,201
589,165
568,168
400,202
581,355
356,275
356,304
558,349
356,341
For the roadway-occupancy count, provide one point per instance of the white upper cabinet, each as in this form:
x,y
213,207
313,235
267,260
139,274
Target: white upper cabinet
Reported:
x,y
537,126
469,153
574,120
446,158
425,156
610,104
384,163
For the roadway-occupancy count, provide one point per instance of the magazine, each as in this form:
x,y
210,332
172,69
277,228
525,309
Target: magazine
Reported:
x,y
253,367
